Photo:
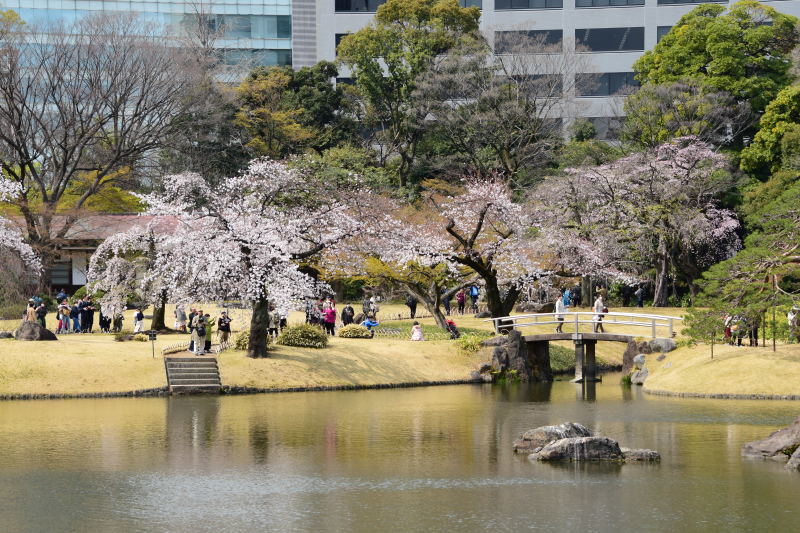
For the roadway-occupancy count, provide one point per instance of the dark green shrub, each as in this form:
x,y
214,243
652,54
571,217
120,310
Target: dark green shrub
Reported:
x,y
304,336
354,331
470,343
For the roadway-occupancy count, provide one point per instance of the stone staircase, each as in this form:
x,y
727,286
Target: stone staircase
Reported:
x,y
192,375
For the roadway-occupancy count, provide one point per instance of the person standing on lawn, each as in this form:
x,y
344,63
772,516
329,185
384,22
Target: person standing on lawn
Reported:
x,y
411,302
138,321
461,300
348,314
198,334
224,328
329,320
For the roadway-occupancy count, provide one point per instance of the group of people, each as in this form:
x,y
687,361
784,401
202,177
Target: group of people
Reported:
x,y
737,327
599,309
201,325
75,317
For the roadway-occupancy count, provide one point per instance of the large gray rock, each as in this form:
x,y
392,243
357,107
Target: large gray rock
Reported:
x,y
483,314
639,377
535,307
639,361
533,439
662,345
794,461
580,449
6,335
779,446
32,331
640,455
511,359
632,350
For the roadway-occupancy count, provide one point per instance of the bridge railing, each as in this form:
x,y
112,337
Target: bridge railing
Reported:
x,y
573,320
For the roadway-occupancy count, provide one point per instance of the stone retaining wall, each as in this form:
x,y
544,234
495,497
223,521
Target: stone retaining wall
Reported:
x,y
140,393
719,396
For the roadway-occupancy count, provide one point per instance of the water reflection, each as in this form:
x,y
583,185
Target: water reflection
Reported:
x,y
416,459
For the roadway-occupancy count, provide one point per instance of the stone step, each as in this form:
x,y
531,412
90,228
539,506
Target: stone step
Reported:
x,y
187,366
196,389
207,381
188,359
193,375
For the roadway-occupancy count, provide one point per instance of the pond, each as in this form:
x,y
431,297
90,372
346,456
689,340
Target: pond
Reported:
x,y
425,459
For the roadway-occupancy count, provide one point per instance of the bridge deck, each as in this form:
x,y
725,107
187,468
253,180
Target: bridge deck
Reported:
x,y
614,337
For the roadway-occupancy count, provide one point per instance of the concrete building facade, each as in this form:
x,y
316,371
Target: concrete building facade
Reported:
x,y
608,34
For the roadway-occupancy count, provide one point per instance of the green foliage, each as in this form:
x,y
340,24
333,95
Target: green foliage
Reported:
x,y
657,113
626,380
470,343
141,337
242,339
583,130
304,336
743,284
354,331
285,111
743,51
386,58
777,142
704,325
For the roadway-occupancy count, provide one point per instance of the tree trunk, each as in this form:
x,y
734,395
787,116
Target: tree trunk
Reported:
x,y
259,324
587,291
431,301
510,300
159,311
494,301
661,291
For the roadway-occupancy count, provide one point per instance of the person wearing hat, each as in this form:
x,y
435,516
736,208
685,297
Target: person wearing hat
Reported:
x,y
224,328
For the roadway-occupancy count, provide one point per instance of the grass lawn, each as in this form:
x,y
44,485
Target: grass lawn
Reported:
x,y
96,363
733,370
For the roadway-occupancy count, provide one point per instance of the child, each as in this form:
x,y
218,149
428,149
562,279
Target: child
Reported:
x,y
452,329
416,332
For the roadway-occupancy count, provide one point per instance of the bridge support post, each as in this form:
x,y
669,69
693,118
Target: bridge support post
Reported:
x,y
539,359
585,360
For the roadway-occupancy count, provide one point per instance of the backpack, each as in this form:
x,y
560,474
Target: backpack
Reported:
x,y
201,331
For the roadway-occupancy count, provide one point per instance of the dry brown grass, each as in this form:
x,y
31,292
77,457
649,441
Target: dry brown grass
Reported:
x,y
733,370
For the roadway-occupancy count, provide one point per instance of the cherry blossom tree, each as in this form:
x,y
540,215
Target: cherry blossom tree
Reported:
x,y
19,263
656,209
242,238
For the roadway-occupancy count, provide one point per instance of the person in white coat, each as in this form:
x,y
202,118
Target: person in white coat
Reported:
x,y
560,310
599,309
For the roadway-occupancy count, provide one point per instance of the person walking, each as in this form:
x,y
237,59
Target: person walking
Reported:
x,y
411,303
560,310
461,300
272,324
474,294
224,329
639,296
348,313
138,321
329,319
599,309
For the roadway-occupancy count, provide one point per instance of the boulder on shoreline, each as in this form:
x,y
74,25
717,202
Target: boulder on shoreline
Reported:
x,y
32,331
534,439
641,455
782,445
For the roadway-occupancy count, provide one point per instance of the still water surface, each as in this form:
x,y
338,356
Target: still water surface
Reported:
x,y
429,459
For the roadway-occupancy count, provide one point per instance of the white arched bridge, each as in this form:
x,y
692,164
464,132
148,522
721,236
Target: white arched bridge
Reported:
x,y
584,329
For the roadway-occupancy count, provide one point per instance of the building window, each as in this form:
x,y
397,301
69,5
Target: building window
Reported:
x,y
661,31
528,4
471,3
60,273
608,3
541,85
607,128
358,6
605,84
673,2
250,58
609,39
530,41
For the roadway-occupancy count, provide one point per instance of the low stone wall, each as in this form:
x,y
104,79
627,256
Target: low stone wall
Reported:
x,y
321,388
720,396
141,393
